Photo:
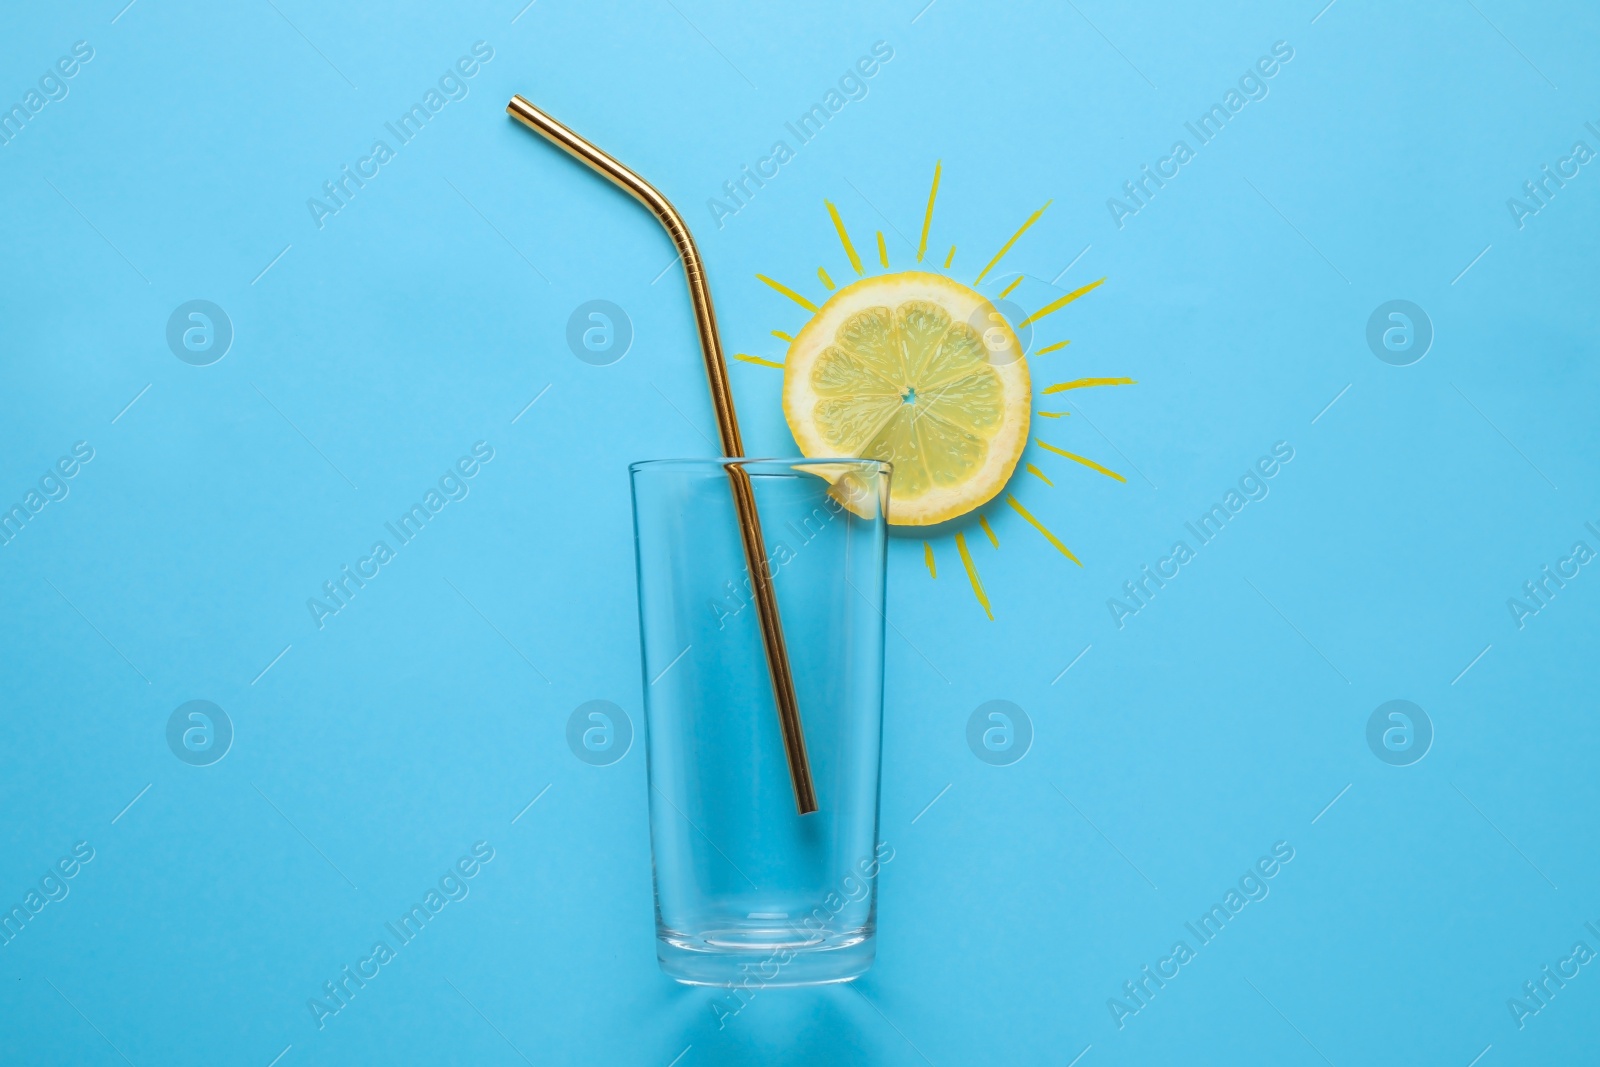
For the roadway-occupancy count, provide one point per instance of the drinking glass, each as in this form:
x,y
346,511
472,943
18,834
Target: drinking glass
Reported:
x,y
747,891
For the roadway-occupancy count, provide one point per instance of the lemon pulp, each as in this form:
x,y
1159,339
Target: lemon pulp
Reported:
x,y
918,370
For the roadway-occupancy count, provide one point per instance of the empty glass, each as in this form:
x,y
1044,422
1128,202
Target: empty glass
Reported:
x,y
747,891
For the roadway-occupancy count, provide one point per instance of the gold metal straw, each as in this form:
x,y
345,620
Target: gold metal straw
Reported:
x,y
744,500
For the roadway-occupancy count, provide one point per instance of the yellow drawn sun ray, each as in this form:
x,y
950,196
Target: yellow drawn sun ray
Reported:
x,y
1037,525
828,283
1086,383
972,573
1057,304
1091,464
844,238
788,292
927,218
1014,237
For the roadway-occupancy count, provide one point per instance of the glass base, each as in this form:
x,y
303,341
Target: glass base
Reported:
x,y
746,959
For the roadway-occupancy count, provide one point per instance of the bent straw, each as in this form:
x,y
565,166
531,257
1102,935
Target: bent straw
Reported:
x,y
705,321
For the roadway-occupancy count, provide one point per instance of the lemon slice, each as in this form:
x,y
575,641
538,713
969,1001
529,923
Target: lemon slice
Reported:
x,y
918,370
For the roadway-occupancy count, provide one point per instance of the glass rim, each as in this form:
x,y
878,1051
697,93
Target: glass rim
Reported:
x,y
878,466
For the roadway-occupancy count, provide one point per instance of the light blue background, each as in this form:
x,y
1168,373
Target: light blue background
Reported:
x,y
425,716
